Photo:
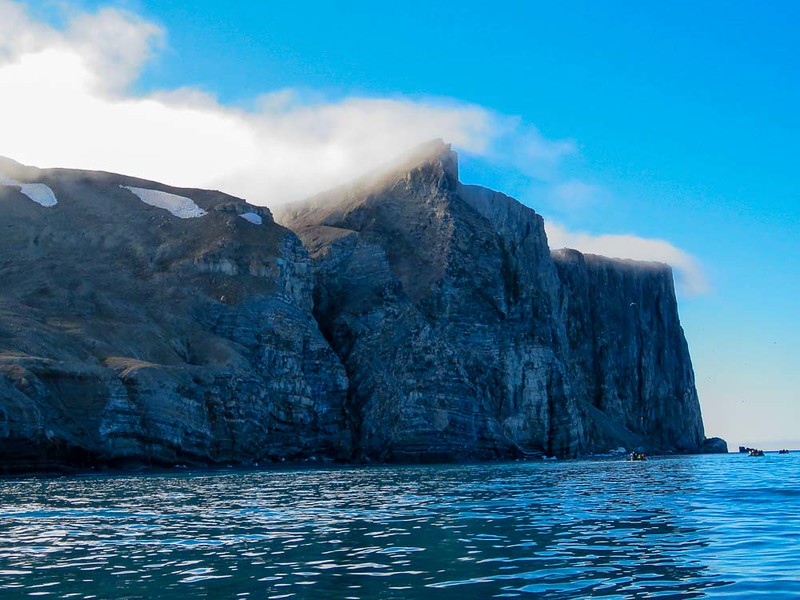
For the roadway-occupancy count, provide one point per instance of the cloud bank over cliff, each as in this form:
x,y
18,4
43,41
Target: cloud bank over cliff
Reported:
x,y
689,276
68,101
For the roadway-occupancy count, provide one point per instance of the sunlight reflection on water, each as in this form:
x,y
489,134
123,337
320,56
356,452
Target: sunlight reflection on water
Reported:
x,y
688,527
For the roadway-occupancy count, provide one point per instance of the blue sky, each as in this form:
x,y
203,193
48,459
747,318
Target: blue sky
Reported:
x,y
677,121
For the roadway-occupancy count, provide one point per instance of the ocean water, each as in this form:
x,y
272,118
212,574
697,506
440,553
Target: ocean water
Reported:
x,y
683,527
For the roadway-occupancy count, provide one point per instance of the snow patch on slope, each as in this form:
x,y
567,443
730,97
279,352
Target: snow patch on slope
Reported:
x,y
38,192
180,206
252,217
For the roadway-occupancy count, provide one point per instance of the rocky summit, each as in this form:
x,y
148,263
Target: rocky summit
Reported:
x,y
403,317
464,336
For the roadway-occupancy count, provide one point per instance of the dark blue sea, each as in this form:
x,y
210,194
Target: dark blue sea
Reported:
x,y
724,526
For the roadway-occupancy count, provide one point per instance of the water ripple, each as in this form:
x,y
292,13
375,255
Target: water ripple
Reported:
x,y
688,527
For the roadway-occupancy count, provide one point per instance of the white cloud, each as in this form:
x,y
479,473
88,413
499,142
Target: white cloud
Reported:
x,y
115,45
689,276
18,33
66,103
531,153
574,195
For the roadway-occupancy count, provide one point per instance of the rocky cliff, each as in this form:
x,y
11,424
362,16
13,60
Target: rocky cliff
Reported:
x,y
627,352
128,333
463,337
420,319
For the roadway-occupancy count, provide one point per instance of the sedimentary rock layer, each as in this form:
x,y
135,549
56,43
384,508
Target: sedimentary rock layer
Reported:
x,y
627,352
463,337
129,334
420,319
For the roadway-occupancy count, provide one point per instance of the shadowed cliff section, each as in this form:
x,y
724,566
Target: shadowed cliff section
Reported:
x,y
628,352
128,334
423,320
463,338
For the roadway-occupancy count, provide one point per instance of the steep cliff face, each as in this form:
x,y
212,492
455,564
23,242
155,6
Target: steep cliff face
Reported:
x,y
129,333
463,337
628,353
423,319
440,304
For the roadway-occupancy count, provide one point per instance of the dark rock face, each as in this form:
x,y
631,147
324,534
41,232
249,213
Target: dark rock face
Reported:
x,y
463,338
128,334
423,320
714,445
628,354
444,325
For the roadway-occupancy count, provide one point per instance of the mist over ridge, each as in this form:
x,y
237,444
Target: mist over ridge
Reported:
x,y
422,320
77,81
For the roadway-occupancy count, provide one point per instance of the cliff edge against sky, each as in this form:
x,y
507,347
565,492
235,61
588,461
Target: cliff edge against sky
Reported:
x,y
463,336
420,319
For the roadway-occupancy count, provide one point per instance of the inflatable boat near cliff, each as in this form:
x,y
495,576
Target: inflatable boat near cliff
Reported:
x,y
751,451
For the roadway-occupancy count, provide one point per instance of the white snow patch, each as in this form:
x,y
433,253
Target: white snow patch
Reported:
x,y
252,217
38,192
180,206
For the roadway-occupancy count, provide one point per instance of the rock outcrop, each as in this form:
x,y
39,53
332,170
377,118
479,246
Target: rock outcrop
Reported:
x,y
627,352
420,319
129,334
464,338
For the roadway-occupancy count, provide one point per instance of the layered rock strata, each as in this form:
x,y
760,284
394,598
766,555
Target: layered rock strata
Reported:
x,y
419,319
627,352
130,334
464,338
